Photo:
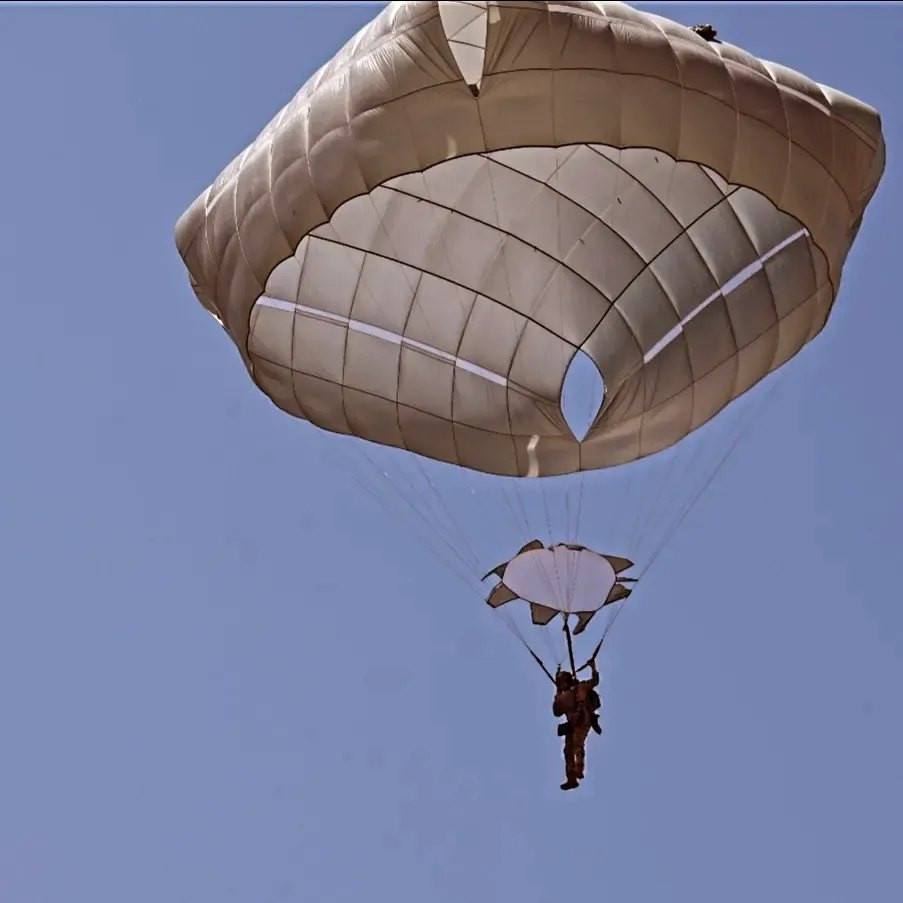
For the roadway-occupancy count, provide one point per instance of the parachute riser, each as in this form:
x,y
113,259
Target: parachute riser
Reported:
x,y
596,651
567,633
541,664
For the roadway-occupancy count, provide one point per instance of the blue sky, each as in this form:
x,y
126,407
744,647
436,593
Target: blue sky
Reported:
x,y
226,674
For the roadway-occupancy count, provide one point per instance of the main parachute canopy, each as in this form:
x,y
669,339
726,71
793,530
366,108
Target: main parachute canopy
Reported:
x,y
469,194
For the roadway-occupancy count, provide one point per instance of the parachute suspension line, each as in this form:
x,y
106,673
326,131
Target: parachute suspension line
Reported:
x,y
608,626
545,506
674,491
549,643
435,522
579,505
654,508
425,501
536,658
488,505
572,573
694,474
551,541
598,648
352,463
471,584
741,429
448,563
567,633
519,498
459,567
431,526
539,662
672,526
522,524
511,624
741,432
672,487
515,503
623,498
642,516
457,527
689,466
428,514
465,577
567,512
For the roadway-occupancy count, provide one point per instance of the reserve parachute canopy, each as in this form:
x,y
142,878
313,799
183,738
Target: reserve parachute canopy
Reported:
x,y
563,579
468,195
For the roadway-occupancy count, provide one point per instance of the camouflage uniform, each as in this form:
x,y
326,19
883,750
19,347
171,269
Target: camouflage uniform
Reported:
x,y
570,701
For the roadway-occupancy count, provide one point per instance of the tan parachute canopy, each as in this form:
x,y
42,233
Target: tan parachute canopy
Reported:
x,y
470,194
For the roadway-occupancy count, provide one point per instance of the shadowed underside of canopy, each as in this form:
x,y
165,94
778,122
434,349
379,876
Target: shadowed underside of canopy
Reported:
x,y
469,194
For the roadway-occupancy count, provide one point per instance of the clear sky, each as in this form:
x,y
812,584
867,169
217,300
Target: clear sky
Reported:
x,y
226,674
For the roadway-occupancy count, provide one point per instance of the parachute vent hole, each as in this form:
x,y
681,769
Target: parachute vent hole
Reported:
x,y
582,394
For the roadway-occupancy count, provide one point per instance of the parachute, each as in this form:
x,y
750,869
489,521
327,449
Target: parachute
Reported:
x,y
564,579
471,196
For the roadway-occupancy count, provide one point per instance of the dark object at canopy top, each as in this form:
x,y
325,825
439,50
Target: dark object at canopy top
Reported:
x,y
706,32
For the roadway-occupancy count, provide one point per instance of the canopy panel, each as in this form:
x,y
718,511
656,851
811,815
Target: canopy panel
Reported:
x,y
469,194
